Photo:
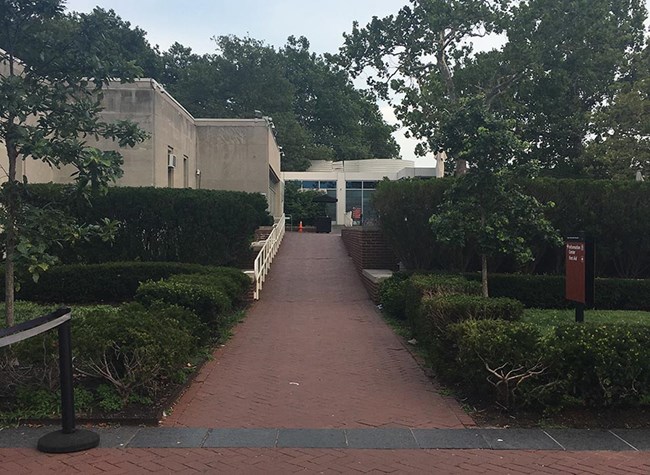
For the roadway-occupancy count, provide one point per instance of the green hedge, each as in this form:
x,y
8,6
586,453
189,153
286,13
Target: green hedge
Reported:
x,y
210,303
160,224
547,291
110,282
588,365
615,213
433,285
602,365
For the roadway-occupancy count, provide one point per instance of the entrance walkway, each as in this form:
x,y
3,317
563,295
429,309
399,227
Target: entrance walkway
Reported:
x,y
314,353
313,381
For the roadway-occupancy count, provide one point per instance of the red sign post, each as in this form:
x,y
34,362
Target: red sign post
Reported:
x,y
579,263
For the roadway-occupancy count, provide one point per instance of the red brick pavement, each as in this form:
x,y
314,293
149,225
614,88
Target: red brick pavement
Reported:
x,y
314,353
281,461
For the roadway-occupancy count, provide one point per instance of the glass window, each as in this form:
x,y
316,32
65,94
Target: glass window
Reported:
x,y
352,199
310,185
369,185
328,185
353,185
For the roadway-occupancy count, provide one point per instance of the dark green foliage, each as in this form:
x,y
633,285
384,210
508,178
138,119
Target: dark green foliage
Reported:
x,y
433,285
602,365
300,204
437,313
404,208
160,224
232,282
109,282
135,349
547,291
474,346
615,213
392,295
209,302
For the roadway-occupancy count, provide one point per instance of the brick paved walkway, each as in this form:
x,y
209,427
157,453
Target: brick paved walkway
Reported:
x,y
314,354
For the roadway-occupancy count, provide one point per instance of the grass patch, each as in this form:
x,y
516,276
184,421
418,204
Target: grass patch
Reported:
x,y
546,319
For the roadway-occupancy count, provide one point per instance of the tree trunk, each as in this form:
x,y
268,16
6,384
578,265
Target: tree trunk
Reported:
x,y
10,230
484,275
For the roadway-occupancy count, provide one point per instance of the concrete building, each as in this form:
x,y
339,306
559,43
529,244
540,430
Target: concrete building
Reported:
x,y
182,152
352,183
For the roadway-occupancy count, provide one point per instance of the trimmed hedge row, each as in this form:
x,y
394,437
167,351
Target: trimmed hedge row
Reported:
x,y
127,353
114,282
547,291
615,213
578,364
161,224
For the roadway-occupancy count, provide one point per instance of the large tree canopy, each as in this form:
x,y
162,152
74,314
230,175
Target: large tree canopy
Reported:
x,y
559,61
316,109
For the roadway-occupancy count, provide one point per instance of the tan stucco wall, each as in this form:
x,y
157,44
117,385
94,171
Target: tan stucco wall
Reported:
x,y
233,154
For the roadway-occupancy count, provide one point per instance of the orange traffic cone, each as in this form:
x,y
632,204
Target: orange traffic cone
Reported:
x,y
300,227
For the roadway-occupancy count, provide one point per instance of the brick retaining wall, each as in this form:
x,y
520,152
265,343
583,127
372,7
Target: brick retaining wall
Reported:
x,y
369,250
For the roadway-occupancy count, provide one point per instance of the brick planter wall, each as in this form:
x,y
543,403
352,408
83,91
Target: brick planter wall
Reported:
x,y
368,248
369,251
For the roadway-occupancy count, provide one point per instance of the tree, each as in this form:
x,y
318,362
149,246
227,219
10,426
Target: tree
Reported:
x,y
317,112
486,207
558,63
50,106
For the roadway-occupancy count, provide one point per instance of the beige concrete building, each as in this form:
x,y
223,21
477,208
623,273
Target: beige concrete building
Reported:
x,y
182,152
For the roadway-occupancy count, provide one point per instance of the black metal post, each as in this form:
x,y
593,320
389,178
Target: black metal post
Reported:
x,y
65,370
580,312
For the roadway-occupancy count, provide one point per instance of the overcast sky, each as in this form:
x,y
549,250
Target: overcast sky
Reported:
x,y
193,22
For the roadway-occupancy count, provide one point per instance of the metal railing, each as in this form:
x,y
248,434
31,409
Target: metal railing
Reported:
x,y
266,255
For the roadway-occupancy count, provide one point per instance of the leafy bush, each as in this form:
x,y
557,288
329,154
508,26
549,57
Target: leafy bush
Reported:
x,y
108,282
134,349
434,285
392,295
209,303
497,357
232,282
602,365
161,224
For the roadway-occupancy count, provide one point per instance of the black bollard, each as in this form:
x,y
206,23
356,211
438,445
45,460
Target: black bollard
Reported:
x,y
68,439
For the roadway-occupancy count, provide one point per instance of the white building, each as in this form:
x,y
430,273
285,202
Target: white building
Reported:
x,y
353,182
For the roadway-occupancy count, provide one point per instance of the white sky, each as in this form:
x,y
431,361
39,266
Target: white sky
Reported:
x,y
193,22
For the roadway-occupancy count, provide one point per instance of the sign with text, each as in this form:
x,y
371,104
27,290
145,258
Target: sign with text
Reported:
x,y
579,259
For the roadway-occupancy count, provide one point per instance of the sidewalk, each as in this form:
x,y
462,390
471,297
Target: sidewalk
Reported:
x,y
314,381
314,353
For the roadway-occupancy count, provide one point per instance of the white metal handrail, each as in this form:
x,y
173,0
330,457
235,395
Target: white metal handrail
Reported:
x,y
266,255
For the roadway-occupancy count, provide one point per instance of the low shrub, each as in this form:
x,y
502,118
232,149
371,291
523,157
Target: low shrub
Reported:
x,y
434,285
134,349
232,282
392,295
108,282
602,365
497,357
208,302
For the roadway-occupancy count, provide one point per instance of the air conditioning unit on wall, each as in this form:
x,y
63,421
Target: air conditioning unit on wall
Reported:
x,y
171,160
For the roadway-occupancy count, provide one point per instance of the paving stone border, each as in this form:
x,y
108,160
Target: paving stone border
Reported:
x,y
378,438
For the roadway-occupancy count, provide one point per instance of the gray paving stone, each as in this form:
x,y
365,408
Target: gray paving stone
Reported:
x,y
639,438
312,438
24,437
380,439
449,439
583,439
115,437
167,437
257,438
508,439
